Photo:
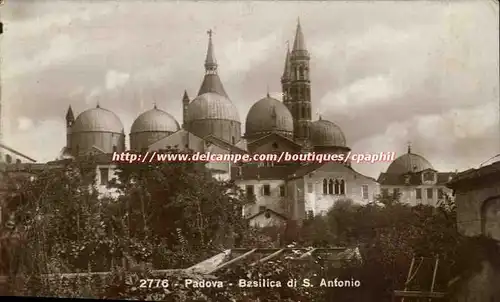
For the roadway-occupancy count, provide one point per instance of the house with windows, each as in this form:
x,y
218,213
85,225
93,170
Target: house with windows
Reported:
x,y
297,192
415,180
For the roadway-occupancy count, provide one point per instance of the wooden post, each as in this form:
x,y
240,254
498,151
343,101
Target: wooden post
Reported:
x,y
268,257
409,276
434,276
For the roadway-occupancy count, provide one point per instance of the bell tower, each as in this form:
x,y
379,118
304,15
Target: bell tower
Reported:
x,y
298,96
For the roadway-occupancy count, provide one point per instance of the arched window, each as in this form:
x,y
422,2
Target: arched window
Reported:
x,y
490,210
8,158
342,187
233,140
301,72
304,112
330,187
337,187
18,161
114,148
325,187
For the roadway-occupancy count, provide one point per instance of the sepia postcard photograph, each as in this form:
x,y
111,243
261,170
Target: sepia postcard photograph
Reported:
x,y
227,151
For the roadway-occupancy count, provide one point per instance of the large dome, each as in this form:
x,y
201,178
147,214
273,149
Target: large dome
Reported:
x,y
212,106
409,162
155,120
97,120
269,114
325,133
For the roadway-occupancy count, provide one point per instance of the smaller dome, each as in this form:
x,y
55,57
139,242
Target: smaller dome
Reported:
x,y
409,162
97,120
212,106
268,114
155,120
325,133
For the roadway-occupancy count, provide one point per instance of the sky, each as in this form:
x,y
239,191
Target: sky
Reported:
x,y
387,73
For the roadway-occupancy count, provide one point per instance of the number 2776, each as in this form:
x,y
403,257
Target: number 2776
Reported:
x,y
153,283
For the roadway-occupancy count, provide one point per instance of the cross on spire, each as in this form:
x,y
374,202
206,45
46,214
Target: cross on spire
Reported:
x,y
210,33
318,114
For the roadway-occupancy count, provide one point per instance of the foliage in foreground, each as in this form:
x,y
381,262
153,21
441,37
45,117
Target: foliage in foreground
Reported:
x,y
173,216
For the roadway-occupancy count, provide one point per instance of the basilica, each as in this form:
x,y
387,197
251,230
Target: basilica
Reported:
x,y
212,123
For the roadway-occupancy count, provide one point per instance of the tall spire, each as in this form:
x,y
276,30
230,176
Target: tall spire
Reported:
x,y
210,62
211,81
287,69
409,147
299,44
69,114
185,97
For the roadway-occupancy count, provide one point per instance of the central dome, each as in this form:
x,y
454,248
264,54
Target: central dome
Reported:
x,y
212,106
409,162
97,120
269,115
325,133
155,120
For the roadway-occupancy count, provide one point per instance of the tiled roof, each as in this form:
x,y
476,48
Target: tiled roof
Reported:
x,y
2,146
304,170
248,172
491,171
415,179
327,167
253,142
224,144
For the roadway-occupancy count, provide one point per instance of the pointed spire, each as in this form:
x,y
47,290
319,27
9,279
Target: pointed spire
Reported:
x,y
98,106
267,94
287,69
154,106
211,81
409,147
210,62
185,97
299,44
70,117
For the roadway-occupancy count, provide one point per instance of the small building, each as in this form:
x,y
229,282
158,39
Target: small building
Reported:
x,y
416,181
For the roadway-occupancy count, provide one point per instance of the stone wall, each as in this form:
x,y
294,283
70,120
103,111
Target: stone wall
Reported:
x,y
473,217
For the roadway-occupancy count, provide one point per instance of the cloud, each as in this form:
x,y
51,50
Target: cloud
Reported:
x,y
368,91
61,47
242,54
425,72
47,20
24,123
115,79
35,143
435,135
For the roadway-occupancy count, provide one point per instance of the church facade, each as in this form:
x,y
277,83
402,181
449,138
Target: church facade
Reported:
x,y
211,123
